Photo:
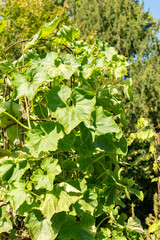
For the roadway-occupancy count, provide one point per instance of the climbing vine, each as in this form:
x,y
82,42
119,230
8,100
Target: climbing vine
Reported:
x,y
62,144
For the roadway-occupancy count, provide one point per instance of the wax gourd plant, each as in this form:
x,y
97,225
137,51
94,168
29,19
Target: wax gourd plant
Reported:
x,y
62,145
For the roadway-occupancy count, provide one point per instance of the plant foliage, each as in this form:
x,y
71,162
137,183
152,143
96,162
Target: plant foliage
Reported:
x,y
63,148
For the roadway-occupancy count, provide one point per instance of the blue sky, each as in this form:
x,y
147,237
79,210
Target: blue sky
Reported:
x,y
154,6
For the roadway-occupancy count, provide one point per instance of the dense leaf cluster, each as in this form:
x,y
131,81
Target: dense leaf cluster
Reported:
x,y
62,122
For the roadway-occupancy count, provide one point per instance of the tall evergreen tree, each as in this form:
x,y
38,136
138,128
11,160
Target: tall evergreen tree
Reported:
x,y
125,25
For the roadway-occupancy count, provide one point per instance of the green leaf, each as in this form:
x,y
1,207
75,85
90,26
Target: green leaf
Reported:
x,y
142,122
60,199
2,25
69,188
5,222
134,224
105,143
66,144
57,97
79,230
84,141
89,202
18,194
128,89
27,83
2,109
49,206
6,66
4,153
154,227
138,193
44,32
118,235
6,169
50,26
44,177
33,40
67,67
9,170
47,61
14,134
121,146
119,71
109,52
70,116
13,108
104,234
39,227
44,138
25,208
65,200
103,123
110,104
68,34
20,168
145,134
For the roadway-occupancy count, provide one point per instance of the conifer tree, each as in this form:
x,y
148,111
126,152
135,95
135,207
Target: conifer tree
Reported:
x,y
125,25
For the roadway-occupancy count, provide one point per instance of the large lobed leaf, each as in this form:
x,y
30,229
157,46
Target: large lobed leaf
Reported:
x,y
27,83
45,176
70,108
44,138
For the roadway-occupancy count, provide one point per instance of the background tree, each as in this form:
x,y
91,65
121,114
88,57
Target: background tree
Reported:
x,y
25,18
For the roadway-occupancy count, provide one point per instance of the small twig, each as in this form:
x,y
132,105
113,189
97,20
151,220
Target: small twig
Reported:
x,y
22,130
69,49
18,68
22,56
27,109
157,127
5,90
22,41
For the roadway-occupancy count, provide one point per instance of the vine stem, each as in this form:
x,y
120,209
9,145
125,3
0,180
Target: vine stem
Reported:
x,y
102,222
21,124
32,120
27,109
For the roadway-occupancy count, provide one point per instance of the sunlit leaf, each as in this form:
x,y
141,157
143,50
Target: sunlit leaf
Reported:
x,y
103,123
45,176
44,32
39,227
135,224
18,194
44,137
70,116
27,83
5,221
